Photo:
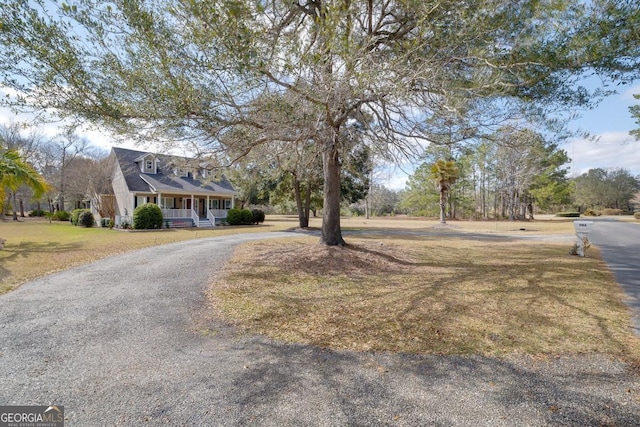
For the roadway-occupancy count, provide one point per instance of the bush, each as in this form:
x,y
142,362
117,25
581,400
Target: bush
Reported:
x,y
636,215
568,214
37,213
86,219
239,217
106,222
258,216
610,211
61,216
590,212
147,217
246,217
75,215
234,217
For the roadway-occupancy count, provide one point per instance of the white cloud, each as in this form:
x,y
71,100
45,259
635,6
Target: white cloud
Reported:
x,y
612,150
627,95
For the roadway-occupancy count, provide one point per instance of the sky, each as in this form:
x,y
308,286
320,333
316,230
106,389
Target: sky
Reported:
x,y
610,122
611,147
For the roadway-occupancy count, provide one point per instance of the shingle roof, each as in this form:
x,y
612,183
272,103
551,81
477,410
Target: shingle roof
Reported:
x,y
164,181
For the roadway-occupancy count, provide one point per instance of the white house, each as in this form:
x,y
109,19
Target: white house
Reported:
x,y
188,191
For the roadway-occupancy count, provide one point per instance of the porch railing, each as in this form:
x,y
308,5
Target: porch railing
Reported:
x,y
218,213
176,213
195,217
211,217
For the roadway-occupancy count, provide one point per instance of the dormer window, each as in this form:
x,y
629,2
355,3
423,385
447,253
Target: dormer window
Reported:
x,y
181,172
147,164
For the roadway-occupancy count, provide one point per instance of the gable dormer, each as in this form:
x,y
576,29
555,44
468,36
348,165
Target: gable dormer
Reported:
x,y
181,172
148,163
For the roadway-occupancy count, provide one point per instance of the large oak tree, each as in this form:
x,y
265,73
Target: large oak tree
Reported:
x,y
200,70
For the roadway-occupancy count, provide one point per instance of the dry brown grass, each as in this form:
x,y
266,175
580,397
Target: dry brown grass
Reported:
x,y
36,247
435,295
544,224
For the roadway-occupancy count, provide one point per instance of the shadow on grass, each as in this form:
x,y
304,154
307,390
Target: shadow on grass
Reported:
x,y
382,389
438,299
14,252
25,249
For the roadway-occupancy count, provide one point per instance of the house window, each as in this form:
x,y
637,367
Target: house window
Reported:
x,y
148,164
141,200
227,204
168,203
214,204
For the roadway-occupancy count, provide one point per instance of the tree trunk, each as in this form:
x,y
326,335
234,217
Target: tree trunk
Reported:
x,y
366,207
15,210
307,203
331,231
21,203
303,220
443,205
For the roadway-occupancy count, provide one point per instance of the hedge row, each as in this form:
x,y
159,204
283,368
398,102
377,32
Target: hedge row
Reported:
x,y
568,214
244,216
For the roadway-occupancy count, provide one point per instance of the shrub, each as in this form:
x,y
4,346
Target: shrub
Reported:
x,y
637,215
258,216
234,217
568,214
590,212
75,215
246,217
239,217
147,217
106,222
611,211
61,216
37,213
86,219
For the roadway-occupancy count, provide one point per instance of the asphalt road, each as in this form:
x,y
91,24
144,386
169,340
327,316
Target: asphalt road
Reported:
x,y
620,245
126,341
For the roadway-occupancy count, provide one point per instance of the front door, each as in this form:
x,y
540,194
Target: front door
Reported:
x,y
202,208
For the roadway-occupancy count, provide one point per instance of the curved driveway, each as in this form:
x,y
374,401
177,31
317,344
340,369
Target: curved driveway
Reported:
x,y
125,341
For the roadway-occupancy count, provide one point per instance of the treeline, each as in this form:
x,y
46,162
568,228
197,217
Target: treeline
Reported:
x,y
72,168
514,174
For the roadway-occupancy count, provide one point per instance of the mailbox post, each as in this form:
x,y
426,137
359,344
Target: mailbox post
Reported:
x,y
583,228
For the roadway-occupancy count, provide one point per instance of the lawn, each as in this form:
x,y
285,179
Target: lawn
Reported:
x,y
427,295
418,288
36,247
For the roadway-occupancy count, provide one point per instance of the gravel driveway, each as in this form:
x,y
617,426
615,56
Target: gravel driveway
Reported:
x,y
125,341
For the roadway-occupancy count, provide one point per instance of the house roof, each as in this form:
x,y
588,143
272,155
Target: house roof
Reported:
x,y
165,181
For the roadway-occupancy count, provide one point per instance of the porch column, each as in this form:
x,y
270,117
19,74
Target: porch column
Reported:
x,y
193,203
159,200
233,202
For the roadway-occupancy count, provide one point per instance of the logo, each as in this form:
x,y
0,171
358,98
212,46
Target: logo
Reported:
x,y
32,416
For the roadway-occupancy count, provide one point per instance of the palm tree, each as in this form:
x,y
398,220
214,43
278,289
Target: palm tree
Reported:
x,y
444,174
14,172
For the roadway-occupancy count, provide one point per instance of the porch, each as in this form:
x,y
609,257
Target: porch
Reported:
x,y
176,218
181,218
